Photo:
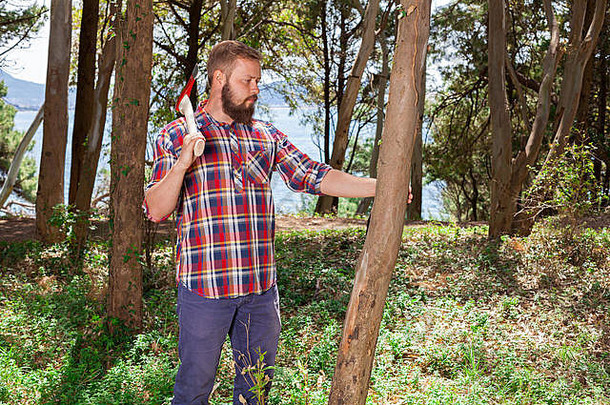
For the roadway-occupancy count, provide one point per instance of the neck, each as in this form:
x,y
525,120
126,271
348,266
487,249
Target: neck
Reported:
x,y
214,108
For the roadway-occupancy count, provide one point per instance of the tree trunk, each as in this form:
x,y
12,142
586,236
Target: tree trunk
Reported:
x,y
327,103
378,258
228,8
13,171
602,105
582,114
193,46
502,207
414,209
95,134
55,128
348,100
365,203
503,221
129,128
83,111
578,53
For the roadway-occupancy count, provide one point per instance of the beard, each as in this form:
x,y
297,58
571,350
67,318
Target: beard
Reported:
x,y
241,113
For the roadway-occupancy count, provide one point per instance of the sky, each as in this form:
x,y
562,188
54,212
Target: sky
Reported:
x,y
31,63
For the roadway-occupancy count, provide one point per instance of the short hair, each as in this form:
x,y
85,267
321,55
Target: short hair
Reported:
x,y
225,53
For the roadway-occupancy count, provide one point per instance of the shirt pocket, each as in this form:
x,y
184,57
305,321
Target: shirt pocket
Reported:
x,y
258,166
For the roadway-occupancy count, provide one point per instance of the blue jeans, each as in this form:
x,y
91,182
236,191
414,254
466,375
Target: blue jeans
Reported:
x,y
252,323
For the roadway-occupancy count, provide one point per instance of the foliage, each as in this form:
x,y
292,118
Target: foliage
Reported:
x,y
566,185
517,321
25,185
19,22
255,374
459,151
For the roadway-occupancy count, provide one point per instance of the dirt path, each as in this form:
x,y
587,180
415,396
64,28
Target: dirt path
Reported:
x,y
20,229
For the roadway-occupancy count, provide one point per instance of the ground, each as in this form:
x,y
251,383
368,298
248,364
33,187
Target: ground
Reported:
x,y
19,229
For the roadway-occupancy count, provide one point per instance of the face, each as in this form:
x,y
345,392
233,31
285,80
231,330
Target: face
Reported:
x,y
240,90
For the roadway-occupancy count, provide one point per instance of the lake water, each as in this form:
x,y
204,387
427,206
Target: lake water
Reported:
x,y
286,201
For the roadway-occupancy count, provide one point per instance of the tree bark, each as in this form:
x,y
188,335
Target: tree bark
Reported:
x,y
13,171
83,110
378,258
502,207
228,16
365,203
349,97
130,118
502,212
578,53
55,128
602,102
95,134
327,103
582,117
193,46
414,209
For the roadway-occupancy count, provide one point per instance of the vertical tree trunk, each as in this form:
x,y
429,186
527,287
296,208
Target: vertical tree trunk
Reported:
x,y
13,171
502,205
527,157
582,113
579,51
83,111
327,104
193,45
130,118
228,8
348,100
365,203
602,105
91,154
414,209
378,258
55,128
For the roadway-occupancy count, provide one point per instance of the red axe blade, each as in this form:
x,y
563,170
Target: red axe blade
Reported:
x,y
184,106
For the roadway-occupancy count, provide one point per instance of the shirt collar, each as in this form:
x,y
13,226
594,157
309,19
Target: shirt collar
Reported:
x,y
204,119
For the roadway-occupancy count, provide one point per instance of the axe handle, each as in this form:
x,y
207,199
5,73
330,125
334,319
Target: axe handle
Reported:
x,y
187,109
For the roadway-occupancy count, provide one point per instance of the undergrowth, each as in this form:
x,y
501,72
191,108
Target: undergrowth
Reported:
x,y
467,321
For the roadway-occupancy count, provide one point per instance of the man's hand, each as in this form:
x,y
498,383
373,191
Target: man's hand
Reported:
x,y
161,198
187,155
410,198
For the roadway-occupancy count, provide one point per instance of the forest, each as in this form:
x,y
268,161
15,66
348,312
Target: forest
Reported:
x,y
502,104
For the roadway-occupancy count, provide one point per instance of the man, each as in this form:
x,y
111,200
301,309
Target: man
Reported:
x,y
226,271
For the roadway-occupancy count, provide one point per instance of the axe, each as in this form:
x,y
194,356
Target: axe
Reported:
x,y
184,106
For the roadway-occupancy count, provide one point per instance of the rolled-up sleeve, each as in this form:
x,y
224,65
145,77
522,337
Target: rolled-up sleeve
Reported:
x,y
299,171
164,160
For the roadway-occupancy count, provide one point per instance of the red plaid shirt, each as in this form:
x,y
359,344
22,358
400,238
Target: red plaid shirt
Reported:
x,y
225,213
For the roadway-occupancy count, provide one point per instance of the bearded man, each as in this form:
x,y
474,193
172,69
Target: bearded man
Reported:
x,y
226,272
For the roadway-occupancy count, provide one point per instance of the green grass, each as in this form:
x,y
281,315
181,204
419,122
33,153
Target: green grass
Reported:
x,y
521,321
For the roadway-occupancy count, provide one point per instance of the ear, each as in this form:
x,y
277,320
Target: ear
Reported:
x,y
219,77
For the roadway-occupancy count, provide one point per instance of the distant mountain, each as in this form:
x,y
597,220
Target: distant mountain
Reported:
x,y
26,95
272,94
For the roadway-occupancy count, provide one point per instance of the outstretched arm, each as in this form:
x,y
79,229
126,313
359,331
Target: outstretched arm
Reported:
x,y
341,184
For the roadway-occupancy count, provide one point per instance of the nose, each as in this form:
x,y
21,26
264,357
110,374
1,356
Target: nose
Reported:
x,y
254,87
